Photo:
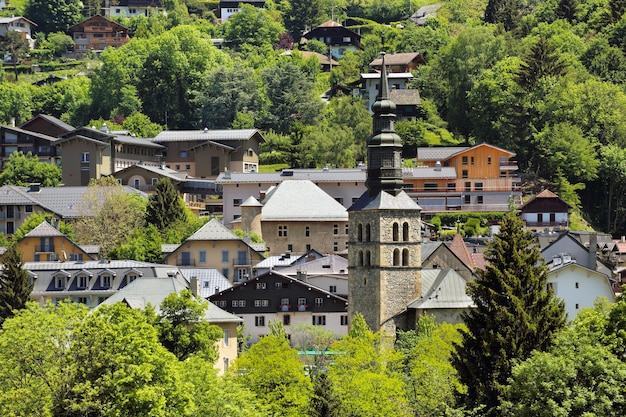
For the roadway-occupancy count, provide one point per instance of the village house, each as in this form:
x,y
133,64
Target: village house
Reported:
x,y
295,217
277,297
96,33
338,38
132,8
18,24
47,125
227,8
545,211
476,178
215,246
45,243
15,139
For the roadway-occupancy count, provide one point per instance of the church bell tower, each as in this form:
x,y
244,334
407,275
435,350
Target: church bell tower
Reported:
x,y
384,248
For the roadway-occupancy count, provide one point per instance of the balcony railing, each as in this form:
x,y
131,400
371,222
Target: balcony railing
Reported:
x,y
464,207
293,308
14,215
508,166
44,248
185,262
547,224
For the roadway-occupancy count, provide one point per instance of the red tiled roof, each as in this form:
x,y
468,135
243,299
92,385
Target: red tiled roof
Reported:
x,y
459,248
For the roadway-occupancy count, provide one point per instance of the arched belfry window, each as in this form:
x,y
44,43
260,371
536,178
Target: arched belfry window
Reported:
x,y
405,257
360,260
368,233
368,258
360,232
396,257
405,232
396,232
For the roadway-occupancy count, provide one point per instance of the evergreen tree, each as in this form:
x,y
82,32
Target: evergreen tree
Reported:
x,y
324,401
567,10
514,315
165,206
543,60
14,286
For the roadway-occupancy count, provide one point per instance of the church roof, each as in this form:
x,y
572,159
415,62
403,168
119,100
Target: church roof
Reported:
x,y
442,288
385,201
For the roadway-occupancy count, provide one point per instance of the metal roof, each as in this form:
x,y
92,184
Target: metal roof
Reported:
x,y
315,175
213,230
44,229
385,201
210,280
442,288
301,200
204,135
438,153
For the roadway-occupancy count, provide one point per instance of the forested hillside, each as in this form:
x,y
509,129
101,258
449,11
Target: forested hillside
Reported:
x,y
544,79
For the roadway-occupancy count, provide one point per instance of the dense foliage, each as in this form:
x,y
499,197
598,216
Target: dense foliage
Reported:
x,y
514,316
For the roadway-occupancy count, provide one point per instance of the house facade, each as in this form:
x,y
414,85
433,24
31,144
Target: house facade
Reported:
x,y
227,8
14,139
90,153
205,153
369,85
132,8
18,24
545,211
215,246
88,282
96,33
338,38
47,125
47,244
274,296
578,286
297,216
477,178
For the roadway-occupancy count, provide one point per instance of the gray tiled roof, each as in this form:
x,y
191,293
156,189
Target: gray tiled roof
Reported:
x,y
31,133
209,279
63,201
278,260
55,121
395,59
144,291
301,200
44,229
204,135
130,140
405,96
442,288
385,201
315,175
160,170
438,153
213,230
428,248
251,202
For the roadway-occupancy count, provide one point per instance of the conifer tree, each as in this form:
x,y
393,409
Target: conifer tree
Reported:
x,y
165,206
14,286
514,315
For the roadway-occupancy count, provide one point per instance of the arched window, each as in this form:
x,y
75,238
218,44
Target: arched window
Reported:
x,y
396,257
396,232
405,257
368,258
368,233
405,232
360,232
360,260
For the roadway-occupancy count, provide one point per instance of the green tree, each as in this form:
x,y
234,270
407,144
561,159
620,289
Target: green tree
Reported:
x,y
613,172
228,92
119,368
273,371
252,26
366,374
183,329
542,60
35,219
141,245
15,287
216,396
291,98
15,47
140,125
26,169
302,15
60,43
108,213
506,12
35,360
16,101
54,15
165,207
577,377
514,315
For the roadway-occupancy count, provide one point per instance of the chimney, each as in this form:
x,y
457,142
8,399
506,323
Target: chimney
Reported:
x,y
194,286
12,121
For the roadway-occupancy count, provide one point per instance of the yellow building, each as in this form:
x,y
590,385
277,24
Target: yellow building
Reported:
x,y
45,244
215,246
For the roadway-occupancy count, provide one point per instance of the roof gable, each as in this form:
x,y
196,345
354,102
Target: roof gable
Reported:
x,y
301,200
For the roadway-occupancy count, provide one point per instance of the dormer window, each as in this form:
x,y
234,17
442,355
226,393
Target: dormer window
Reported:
x,y
59,282
82,281
105,281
